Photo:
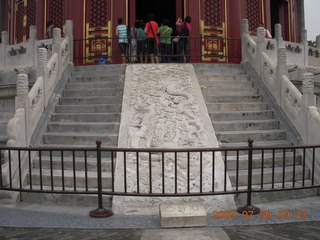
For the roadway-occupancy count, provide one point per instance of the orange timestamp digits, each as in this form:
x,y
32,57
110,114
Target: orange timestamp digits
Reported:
x,y
281,214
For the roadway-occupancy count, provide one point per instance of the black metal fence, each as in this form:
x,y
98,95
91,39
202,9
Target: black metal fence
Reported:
x,y
93,170
175,50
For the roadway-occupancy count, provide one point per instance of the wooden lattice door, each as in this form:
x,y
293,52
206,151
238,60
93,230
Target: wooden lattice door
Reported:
x,y
98,30
213,30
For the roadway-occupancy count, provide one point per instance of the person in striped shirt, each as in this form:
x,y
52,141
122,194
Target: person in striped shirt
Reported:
x,y
122,33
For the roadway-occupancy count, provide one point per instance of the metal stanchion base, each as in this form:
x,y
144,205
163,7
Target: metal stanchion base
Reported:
x,y
248,208
100,213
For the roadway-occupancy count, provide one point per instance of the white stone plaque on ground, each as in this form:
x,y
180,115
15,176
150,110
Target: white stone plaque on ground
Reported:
x,y
182,215
163,107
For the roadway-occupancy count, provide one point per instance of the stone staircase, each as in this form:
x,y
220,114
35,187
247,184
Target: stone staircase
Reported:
x,y
89,109
238,112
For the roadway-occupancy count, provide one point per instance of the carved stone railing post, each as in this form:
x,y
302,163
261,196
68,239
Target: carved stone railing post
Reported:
x,y
308,90
32,43
261,45
42,72
69,33
318,42
244,33
56,48
308,100
278,35
22,90
281,71
32,33
21,102
304,41
3,48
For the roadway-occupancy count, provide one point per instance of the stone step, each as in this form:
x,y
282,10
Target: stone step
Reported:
x,y
263,197
95,85
93,108
268,161
241,115
86,117
231,91
65,199
218,69
246,125
234,106
83,78
81,163
78,138
274,143
226,83
6,116
97,74
7,104
227,78
84,127
3,128
106,69
256,135
90,150
90,100
225,99
267,175
69,179
101,92
3,140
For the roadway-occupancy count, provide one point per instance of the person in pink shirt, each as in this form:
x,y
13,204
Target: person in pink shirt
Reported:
x,y
184,45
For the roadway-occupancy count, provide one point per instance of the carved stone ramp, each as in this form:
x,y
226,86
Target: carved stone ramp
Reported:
x,y
163,107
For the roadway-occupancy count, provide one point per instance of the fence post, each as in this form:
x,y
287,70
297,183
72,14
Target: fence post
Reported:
x,y
249,207
100,212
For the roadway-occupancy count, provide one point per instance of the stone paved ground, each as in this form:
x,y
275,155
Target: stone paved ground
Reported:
x,y
286,231
34,221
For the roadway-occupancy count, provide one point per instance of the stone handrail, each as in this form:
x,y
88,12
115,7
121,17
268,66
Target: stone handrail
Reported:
x,y
31,104
274,75
299,108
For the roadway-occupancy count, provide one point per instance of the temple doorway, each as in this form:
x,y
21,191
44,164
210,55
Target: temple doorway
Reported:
x,y
161,9
279,10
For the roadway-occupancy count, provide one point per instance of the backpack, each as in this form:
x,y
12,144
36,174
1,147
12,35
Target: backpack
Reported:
x,y
185,30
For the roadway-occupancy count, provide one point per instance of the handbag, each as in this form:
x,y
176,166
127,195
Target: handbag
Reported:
x,y
157,39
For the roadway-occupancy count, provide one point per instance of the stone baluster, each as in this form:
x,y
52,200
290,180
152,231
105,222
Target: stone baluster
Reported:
x,y
42,71
5,38
69,33
3,49
261,46
308,89
56,48
318,42
244,33
282,70
32,33
278,35
32,43
304,41
22,90
308,100
56,39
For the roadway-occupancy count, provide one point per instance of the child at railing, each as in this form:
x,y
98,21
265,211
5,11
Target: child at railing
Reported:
x,y
122,33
